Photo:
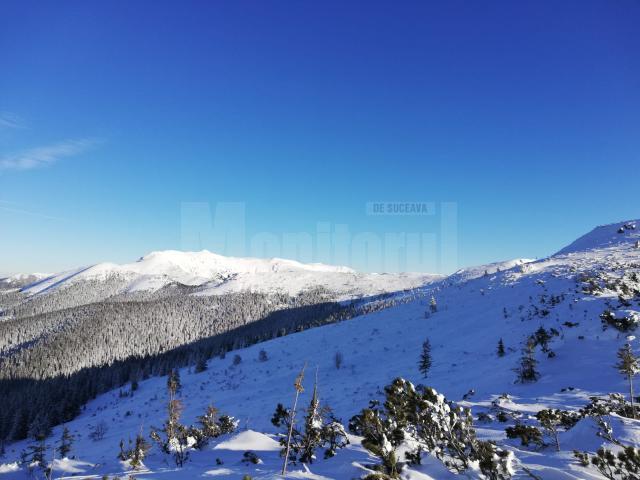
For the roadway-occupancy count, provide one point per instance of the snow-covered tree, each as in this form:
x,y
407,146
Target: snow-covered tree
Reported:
x,y
135,453
320,429
212,426
424,419
174,438
311,437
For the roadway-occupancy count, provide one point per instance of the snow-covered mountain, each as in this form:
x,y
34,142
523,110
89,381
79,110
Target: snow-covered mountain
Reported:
x,y
21,280
216,274
586,298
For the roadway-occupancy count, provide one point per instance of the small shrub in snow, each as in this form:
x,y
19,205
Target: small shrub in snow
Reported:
x,y
98,432
625,465
500,350
623,324
212,426
528,434
542,337
262,356
237,359
551,419
135,453
250,457
601,407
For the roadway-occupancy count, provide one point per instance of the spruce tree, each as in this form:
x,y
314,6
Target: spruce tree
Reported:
x,y
34,455
628,366
425,358
527,369
501,352
66,442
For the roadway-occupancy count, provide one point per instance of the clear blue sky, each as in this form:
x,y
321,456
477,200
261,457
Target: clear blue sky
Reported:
x,y
114,113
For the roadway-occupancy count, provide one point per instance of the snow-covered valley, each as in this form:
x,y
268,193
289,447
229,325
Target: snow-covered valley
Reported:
x,y
580,305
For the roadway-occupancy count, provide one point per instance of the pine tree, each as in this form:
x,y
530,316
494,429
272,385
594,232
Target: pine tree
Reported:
x,y
501,352
628,366
425,358
66,442
527,369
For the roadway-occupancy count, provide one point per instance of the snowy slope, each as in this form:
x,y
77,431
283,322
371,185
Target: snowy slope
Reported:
x,y
474,311
621,233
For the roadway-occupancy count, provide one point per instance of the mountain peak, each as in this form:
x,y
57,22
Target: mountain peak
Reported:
x,y
604,236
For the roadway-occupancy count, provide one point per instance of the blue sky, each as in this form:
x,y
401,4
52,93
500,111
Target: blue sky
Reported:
x,y
112,114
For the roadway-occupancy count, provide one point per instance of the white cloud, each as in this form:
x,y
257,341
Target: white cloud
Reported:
x,y
43,156
9,120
